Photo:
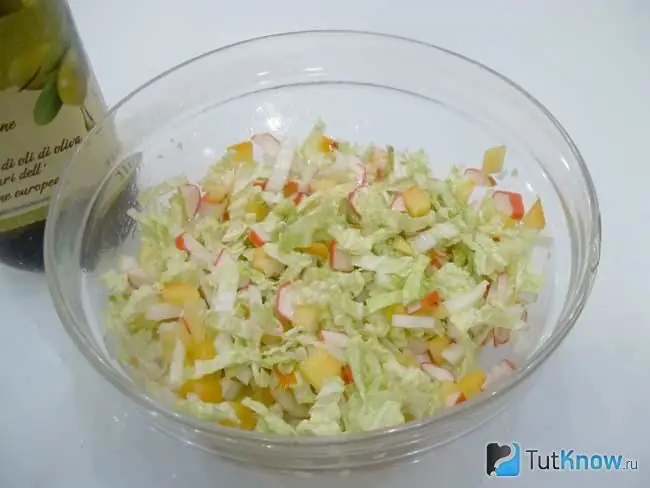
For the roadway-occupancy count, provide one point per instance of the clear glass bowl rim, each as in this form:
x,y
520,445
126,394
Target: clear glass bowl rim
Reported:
x,y
571,312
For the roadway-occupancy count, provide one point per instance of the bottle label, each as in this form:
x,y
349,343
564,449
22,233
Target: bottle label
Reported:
x,y
49,100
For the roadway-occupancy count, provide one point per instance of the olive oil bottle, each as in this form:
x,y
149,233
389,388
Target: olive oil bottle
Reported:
x,y
49,100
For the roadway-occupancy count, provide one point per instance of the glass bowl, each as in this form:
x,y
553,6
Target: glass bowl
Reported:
x,y
367,87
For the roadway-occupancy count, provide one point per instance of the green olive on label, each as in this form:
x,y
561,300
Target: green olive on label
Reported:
x,y
24,69
32,69
71,79
52,57
22,31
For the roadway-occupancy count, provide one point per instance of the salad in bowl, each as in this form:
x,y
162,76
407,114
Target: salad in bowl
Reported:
x,y
324,287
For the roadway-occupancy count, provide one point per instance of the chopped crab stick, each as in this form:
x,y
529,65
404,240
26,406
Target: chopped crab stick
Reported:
x,y
509,204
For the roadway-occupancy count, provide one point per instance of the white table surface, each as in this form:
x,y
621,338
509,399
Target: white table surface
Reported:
x,y
588,61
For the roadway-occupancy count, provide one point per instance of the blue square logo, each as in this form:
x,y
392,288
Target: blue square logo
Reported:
x,y
502,460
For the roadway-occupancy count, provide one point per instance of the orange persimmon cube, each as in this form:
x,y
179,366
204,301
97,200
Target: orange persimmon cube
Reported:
x,y
207,388
407,359
417,201
262,395
242,151
258,207
317,249
247,418
471,384
202,350
493,159
319,366
216,193
179,293
534,218
305,317
436,346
